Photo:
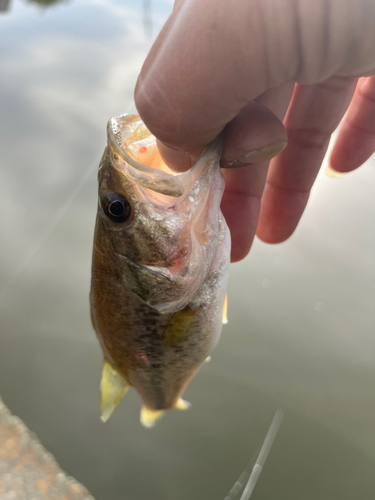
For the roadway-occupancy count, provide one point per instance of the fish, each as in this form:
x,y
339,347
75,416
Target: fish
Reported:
x,y
160,266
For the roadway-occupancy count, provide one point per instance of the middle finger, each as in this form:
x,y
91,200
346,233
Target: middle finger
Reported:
x,y
314,113
244,185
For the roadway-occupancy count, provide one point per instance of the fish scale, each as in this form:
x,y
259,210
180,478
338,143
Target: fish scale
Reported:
x,y
160,267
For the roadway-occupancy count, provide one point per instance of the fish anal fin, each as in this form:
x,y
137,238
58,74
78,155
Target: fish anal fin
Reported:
x,y
181,404
113,388
225,310
150,417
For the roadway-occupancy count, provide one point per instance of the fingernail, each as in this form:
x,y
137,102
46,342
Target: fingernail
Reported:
x,y
333,174
257,155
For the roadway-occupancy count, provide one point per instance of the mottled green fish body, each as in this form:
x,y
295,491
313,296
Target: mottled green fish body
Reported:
x,y
160,266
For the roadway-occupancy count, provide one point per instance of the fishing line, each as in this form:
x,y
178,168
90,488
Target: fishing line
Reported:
x,y
262,457
241,481
260,461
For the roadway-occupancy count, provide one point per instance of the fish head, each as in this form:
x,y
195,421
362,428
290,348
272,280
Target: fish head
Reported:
x,y
158,228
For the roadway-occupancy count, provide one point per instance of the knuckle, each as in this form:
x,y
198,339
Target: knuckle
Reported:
x,y
308,138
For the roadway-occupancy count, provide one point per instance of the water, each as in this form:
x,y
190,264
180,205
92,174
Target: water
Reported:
x,y
300,333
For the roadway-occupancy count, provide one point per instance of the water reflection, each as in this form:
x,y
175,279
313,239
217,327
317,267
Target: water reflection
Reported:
x,y
147,18
4,5
46,3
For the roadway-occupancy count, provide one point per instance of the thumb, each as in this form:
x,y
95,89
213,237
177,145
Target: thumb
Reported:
x,y
253,136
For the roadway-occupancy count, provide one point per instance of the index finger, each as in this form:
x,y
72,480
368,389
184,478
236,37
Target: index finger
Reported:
x,y
213,57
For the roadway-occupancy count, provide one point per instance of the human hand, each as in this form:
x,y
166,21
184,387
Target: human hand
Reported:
x,y
243,67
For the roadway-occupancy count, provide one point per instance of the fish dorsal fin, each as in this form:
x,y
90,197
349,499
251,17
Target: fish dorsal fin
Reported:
x,y
113,388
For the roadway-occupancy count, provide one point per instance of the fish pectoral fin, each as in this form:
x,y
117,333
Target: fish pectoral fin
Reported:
x,y
225,310
179,326
113,388
182,404
150,417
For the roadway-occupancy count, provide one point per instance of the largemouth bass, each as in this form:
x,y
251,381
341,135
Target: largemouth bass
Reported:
x,y
160,267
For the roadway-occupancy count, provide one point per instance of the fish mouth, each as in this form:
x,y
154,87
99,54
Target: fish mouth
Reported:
x,y
127,135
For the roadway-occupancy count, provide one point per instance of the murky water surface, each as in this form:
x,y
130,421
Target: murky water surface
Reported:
x,y
301,314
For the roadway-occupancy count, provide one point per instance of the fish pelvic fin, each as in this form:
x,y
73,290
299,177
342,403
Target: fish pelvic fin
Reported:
x,y
182,404
225,310
113,388
208,359
150,417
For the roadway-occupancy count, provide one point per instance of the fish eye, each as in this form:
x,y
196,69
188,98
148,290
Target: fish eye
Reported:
x,y
116,208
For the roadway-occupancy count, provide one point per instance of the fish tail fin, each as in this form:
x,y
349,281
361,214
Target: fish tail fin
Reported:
x,y
225,310
113,388
182,404
150,417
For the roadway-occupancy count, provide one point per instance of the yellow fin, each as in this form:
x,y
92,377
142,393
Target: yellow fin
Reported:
x,y
112,389
182,404
179,326
150,417
333,174
208,359
225,310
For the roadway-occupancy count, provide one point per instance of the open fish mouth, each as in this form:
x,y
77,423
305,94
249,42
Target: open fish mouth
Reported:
x,y
133,147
